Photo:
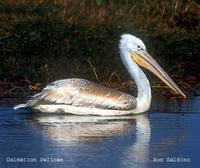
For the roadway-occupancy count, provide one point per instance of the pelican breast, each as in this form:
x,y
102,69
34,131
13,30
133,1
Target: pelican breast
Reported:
x,y
83,93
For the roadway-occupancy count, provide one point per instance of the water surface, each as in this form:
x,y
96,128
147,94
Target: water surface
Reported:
x,y
169,132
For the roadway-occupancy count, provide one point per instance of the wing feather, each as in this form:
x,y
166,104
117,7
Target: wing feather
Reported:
x,y
83,93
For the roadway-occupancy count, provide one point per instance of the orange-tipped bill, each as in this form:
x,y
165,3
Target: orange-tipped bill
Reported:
x,y
145,60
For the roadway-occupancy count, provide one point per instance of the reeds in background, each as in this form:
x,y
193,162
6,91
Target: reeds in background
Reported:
x,y
45,40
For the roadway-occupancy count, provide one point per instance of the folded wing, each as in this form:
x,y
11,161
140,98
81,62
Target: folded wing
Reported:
x,y
83,93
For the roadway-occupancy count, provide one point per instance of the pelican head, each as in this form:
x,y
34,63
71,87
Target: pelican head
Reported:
x,y
135,51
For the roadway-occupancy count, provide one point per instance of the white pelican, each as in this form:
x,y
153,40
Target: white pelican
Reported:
x,y
83,97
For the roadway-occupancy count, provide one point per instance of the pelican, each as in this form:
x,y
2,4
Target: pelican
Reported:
x,y
83,97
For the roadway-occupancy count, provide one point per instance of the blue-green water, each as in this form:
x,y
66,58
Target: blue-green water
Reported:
x,y
169,132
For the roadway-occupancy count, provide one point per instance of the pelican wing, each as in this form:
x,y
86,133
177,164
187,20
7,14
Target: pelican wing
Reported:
x,y
83,93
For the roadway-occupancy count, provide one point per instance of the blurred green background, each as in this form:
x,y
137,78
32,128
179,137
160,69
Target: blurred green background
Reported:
x,y
46,40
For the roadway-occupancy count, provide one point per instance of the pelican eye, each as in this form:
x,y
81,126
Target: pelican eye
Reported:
x,y
139,48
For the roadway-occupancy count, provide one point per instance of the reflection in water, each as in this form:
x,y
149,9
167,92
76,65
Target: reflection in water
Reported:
x,y
103,141
138,153
75,130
